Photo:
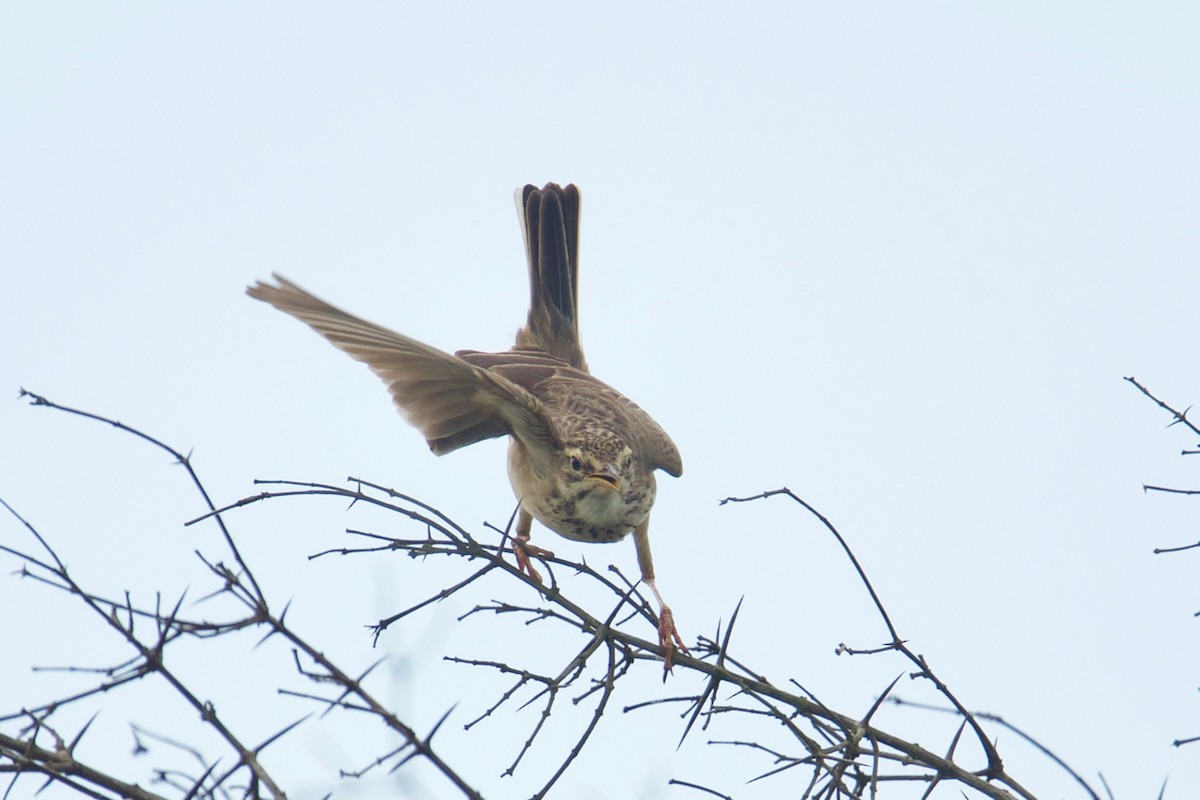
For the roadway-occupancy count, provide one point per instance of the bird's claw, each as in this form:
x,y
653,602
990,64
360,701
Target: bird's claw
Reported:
x,y
668,639
524,551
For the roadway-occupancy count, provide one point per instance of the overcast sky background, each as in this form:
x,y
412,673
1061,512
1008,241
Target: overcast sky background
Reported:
x,y
897,258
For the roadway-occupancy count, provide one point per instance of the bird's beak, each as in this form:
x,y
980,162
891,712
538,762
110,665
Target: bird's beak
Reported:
x,y
609,475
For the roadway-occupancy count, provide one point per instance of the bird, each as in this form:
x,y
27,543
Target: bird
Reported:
x,y
582,457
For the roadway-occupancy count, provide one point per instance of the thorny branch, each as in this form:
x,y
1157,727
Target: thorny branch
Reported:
x,y
169,627
839,754
1177,418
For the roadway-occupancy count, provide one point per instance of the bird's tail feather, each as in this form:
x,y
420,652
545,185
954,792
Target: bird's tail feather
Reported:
x,y
550,223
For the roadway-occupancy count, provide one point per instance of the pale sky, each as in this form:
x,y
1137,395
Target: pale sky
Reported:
x,y
897,260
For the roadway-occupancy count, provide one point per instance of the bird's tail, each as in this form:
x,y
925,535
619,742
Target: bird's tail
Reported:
x,y
550,222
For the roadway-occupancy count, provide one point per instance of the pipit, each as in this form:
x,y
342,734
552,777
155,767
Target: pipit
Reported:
x,y
581,456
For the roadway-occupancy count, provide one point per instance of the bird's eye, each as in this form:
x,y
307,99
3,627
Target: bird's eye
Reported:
x,y
576,464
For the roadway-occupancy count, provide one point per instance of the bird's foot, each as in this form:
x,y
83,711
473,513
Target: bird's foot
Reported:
x,y
524,551
668,639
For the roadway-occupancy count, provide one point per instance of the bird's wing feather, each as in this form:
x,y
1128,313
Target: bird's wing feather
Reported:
x,y
453,403
662,452
551,379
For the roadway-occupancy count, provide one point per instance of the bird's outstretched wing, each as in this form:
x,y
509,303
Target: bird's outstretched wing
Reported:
x,y
452,403
555,382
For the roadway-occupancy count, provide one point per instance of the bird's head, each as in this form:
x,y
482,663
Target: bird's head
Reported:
x,y
599,461
591,487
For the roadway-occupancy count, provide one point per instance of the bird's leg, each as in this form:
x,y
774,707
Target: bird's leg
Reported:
x,y
668,634
522,549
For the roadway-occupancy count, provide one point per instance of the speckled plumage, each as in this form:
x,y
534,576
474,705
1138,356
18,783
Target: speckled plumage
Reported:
x,y
582,456
599,422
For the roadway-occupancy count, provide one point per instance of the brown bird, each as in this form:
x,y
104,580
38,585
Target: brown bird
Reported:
x,y
581,455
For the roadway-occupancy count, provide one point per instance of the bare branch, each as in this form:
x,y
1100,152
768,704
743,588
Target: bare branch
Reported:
x,y
840,753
